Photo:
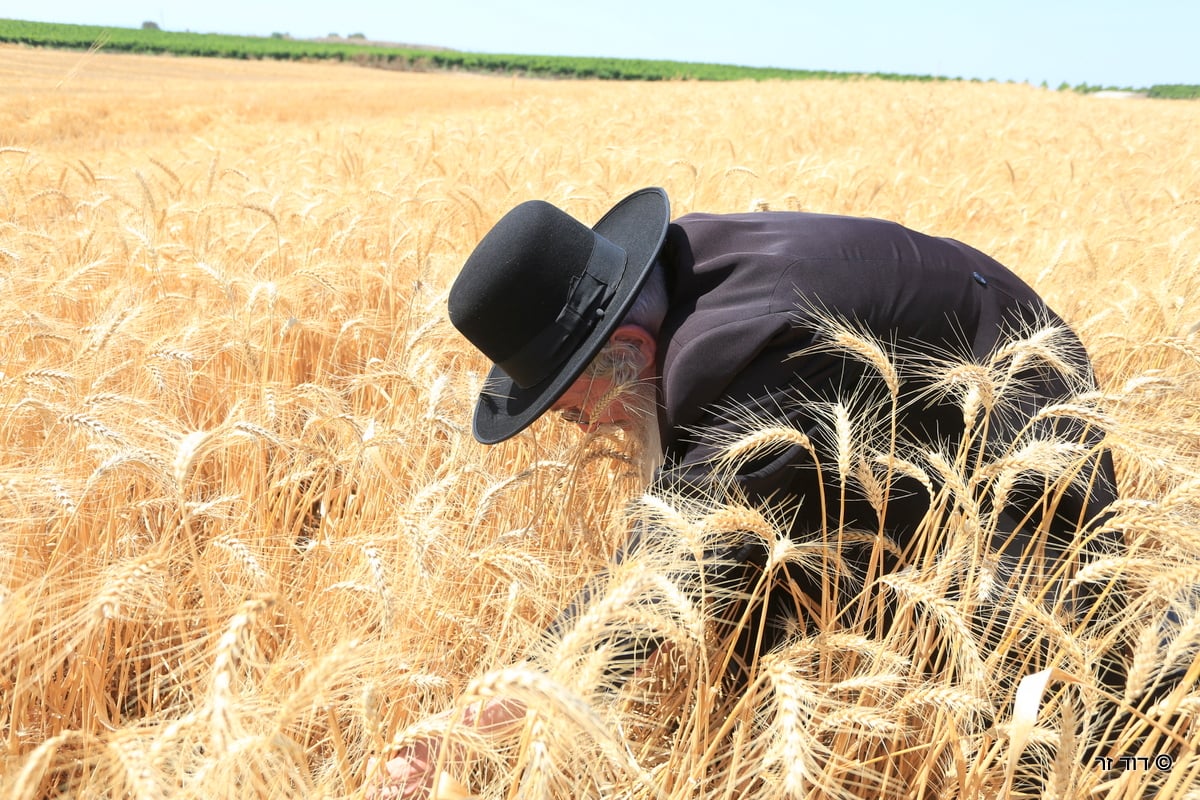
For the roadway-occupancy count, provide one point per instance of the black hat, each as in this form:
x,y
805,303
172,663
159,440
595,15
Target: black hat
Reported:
x,y
542,293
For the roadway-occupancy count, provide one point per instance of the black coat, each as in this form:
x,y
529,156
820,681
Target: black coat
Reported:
x,y
746,295
744,290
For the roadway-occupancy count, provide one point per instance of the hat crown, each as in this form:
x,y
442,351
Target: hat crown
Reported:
x,y
517,296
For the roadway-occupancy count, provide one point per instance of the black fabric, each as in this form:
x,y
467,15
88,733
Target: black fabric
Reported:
x,y
744,292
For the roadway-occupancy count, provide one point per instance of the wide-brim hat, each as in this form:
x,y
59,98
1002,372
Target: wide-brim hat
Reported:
x,y
541,294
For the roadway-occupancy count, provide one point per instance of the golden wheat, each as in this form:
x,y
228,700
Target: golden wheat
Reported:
x,y
248,540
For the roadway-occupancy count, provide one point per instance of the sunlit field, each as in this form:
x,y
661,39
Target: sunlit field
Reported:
x,y
248,544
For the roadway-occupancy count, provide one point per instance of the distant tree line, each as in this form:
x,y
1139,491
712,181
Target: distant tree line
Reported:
x,y
150,38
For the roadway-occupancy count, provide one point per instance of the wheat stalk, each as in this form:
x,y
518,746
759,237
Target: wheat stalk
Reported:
x,y
229,651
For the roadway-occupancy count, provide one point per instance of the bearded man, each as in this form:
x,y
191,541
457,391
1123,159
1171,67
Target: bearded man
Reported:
x,y
697,330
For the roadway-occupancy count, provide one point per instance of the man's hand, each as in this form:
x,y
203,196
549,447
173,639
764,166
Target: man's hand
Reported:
x,y
406,776
411,774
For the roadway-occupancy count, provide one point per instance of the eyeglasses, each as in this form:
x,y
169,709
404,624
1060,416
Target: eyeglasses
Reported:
x,y
574,415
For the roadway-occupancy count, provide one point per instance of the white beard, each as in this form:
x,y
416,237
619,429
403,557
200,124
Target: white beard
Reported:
x,y
644,431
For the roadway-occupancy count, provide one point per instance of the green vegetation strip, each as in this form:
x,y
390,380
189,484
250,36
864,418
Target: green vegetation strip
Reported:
x,y
280,46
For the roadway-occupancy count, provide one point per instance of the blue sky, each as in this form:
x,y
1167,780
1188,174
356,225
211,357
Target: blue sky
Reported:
x,y
1100,42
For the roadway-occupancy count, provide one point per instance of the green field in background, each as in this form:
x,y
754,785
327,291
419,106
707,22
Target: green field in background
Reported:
x,y
280,46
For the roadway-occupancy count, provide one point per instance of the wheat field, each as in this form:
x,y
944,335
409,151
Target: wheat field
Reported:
x,y
247,542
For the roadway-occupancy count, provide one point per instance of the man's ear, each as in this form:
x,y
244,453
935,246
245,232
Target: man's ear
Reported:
x,y
641,339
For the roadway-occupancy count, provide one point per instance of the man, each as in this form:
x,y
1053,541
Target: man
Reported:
x,y
713,326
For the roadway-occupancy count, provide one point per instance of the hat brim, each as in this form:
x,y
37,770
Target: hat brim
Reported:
x,y
638,224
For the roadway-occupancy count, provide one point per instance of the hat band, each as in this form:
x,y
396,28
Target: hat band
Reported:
x,y
590,293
